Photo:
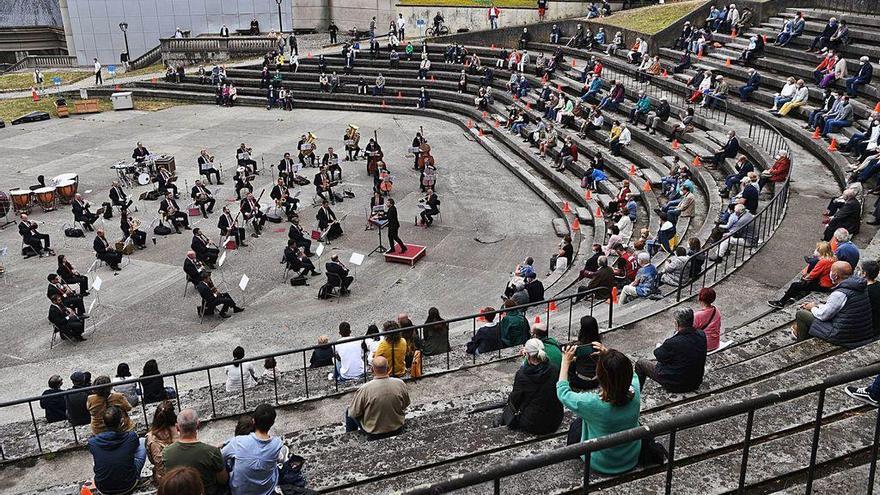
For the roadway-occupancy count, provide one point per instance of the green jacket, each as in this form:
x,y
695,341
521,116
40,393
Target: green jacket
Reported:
x,y
514,329
553,350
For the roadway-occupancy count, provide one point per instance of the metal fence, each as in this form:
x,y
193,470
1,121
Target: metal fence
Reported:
x,y
546,309
752,236
747,407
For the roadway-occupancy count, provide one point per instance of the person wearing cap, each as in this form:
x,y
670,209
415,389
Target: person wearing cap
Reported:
x,y
54,405
680,360
862,77
532,405
75,403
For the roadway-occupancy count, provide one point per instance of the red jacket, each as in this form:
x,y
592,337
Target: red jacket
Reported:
x,y
779,170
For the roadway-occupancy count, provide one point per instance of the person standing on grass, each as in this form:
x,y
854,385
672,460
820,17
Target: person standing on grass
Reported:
x,y
99,79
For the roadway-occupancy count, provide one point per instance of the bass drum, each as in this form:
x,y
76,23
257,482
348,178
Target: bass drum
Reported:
x,y
143,178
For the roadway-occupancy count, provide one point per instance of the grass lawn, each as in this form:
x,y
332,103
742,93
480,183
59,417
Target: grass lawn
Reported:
x,y
18,81
158,67
14,108
651,20
472,3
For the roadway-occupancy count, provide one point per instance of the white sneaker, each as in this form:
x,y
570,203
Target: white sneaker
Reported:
x,y
330,376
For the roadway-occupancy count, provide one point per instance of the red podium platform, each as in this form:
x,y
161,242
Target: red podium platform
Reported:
x,y
413,254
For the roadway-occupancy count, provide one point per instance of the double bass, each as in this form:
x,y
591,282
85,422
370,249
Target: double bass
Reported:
x,y
374,154
425,157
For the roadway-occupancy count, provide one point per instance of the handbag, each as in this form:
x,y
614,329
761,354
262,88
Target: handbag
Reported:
x,y
74,232
415,370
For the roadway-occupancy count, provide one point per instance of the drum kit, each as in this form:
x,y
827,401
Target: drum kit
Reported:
x,y
142,172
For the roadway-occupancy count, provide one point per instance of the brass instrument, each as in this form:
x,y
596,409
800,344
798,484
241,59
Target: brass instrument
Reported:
x,y
310,140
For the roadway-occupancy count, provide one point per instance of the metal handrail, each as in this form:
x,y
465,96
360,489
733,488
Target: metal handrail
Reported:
x,y
757,232
547,307
671,426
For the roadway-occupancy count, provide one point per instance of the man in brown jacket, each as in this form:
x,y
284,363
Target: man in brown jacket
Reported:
x,y
379,407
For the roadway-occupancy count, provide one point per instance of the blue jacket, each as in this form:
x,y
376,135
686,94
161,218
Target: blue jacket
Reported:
x,y
113,454
866,73
754,81
848,252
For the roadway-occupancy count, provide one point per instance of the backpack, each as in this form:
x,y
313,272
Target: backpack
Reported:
x,y
415,370
299,281
162,229
74,232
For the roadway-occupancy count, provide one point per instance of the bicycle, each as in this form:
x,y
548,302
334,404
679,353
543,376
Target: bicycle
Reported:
x,y
437,32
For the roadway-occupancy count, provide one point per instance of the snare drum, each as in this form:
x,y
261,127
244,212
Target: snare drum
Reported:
x,y
21,200
45,198
66,190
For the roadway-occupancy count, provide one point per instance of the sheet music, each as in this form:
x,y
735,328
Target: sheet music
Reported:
x,y
356,259
320,249
96,285
221,259
244,282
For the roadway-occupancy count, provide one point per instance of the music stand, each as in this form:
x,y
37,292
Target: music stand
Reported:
x,y
380,224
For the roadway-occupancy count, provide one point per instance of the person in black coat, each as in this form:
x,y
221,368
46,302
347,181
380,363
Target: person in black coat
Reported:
x,y
228,227
69,298
170,211
729,150
82,214
750,195
140,153
250,211
164,179
104,252
75,403
296,234
69,275
488,337
212,298
681,359
847,215
393,226
204,250
193,268
118,196
327,222
336,267
535,288
68,323
203,198
533,406
38,242
432,207
53,404
153,389
297,260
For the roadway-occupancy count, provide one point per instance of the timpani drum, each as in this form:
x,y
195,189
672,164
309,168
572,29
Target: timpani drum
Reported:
x,y
21,200
66,190
65,177
45,197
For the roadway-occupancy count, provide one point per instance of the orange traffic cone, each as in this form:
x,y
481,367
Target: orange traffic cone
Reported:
x,y
765,38
574,63
485,114
432,77
675,144
117,87
470,124
34,94
697,161
665,74
700,53
383,104
598,212
817,134
575,224
565,207
545,77
493,46
647,186
558,87
552,306
309,55
515,97
877,107
614,295
727,63
833,145
400,94
496,124
632,169
588,195
537,319
733,33
154,80
482,133
85,490
528,105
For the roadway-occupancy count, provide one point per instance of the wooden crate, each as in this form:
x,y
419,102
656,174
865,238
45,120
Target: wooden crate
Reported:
x,y
62,110
86,106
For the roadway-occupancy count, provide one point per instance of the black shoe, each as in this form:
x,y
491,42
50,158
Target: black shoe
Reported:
x,y
80,338
237,309
873,223
187,227
86,294
860,393
243,244
219,183
224,315
776,304
315,273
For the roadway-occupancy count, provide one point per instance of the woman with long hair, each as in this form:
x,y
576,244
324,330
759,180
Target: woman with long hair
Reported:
x,y
153,389
585,357
162,433
182,481
436,333
614,408
393,347
101,399
240,375
816,276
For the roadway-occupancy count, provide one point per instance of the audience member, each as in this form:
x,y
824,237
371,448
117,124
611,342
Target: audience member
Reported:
x,y
532,405
254,457
118,455
129,390
436,334
162,433
75,403
55,407
551,346
153,389
645,282
323,354
189,452
488,337
393,348
871,269
584,375
378,408
103,398
708,318
181,481
816,276
348,358
681,359
240,376
514,327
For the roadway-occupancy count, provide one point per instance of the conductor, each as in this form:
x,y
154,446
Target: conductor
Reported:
x,y
393,226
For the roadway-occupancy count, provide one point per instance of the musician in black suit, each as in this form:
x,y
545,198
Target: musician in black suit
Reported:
x,y
243,155
297,235
70,326
432,207
205,251
82,214
69,275
130,229
393,226
104,252
324,185
38,242
165,183
171,212
228,227
202,196
206,167
140,153
335,267
286,169
304,154
118,196
251,212
213,298
417,142
281,194
69,297
327,222
330,162
242,182
297,260
193,268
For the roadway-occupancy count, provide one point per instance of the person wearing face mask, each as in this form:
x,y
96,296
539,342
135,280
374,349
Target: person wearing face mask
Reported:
x,y
845,319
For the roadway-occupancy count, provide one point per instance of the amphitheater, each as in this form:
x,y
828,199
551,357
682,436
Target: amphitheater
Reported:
x,y
771,415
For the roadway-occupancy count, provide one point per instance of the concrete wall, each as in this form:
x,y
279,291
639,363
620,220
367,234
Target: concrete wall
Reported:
x,y
476,18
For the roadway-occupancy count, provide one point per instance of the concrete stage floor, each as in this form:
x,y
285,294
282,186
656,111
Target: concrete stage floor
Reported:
x,y
142,313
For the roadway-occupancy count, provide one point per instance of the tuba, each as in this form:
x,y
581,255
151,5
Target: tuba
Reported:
x,y
310,140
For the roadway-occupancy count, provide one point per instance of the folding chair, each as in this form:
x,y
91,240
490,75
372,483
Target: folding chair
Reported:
x,y
56,333
335,283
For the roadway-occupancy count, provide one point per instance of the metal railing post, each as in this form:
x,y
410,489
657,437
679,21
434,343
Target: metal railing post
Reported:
x,y
36,429
872,467
811,469
743,467
670,463
211,393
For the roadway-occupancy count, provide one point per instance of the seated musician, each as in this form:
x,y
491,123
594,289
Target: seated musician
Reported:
x,y
202,196
327,223
243,155
373,149
330,161
352,139
171,212
118,196
140,153
39,243
211,297
297,260
193,268
206,167
242,182
377,209
383,181
281,194
286,169
69,275
298,235
69,297
228,227
105,252
324,186
432,207
129,227
82,214
335,267
205,250
306,151
166,182
69,325
251,212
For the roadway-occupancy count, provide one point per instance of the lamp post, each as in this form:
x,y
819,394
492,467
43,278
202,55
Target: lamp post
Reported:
x,y
124,27
280,24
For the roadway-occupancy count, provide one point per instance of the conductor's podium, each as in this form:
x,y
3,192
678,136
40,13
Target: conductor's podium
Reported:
x,y
413,254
